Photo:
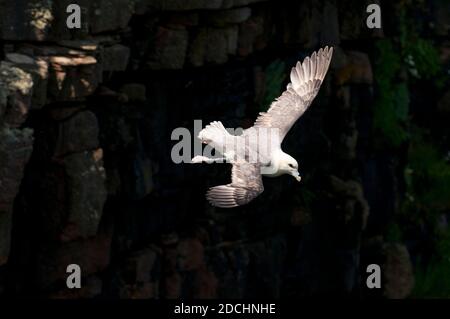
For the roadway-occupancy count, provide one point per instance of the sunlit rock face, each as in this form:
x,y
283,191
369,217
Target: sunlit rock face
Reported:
x,y
37,68
15,150
16,145
17,91
45,20
27,20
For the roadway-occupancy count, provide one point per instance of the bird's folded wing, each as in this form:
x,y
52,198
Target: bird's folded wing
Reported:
x,y
306,79
246,184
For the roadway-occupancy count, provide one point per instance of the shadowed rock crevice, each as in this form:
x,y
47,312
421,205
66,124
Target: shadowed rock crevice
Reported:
x,y
86,176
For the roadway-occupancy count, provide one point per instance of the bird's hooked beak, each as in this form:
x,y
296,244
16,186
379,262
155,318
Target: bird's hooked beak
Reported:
x,y
297,176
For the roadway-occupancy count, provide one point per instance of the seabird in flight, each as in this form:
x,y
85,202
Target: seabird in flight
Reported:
x,y
257,151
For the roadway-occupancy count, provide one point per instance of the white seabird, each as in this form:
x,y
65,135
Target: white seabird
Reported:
x,y
258,151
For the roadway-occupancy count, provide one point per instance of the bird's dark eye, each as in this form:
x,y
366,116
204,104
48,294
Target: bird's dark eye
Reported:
x,y
291,166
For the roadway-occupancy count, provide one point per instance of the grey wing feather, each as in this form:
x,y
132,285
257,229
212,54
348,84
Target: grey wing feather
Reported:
x,y
246,184
306,79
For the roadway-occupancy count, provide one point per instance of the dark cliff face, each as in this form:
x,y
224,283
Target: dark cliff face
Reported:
x,y
86,175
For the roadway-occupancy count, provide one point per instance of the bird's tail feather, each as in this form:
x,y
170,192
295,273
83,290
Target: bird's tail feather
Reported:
x,y
214,132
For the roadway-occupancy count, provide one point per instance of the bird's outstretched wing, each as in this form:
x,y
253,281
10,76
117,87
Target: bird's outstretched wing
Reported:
x,y
246,184
306,79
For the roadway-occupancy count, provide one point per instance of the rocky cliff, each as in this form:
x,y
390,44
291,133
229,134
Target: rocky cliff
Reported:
x,y
86,117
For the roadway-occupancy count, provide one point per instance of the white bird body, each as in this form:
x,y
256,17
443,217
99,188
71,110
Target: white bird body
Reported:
x,y
257,152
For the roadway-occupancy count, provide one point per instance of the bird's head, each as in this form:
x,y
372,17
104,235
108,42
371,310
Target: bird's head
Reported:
x,y
289,166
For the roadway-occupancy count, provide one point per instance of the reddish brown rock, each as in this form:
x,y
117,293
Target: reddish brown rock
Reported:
x,y
224,17
232,37
115,57
110,15
86,193
217,46
205,284
351,200
356,70
197,48
140,264
77,133
169,49
172,285
190,254
213,46
344,96
134,92
187,19
64,113
397,271
310,24
91,287
300,216
187,5
169,239
346,145
353,19
188,258
249,31
146,290
238,3
92,255
136,280
329,26
177,5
